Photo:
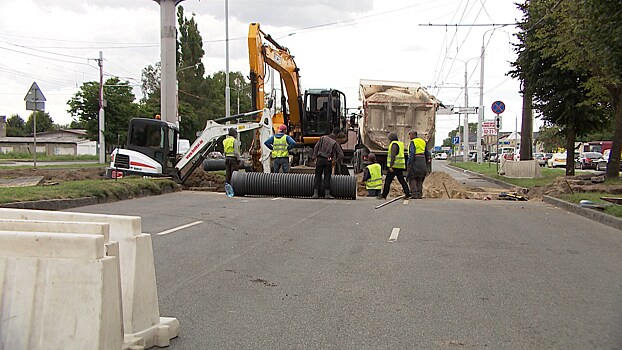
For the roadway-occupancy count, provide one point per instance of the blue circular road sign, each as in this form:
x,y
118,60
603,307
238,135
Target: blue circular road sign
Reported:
x,y
498,107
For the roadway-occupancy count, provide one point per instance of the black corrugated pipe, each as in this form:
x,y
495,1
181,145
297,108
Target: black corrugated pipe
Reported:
x,y
289,185
214,164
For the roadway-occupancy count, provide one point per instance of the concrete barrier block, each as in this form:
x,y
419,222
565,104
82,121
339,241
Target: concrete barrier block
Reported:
x,y
522,169
138,282
51,246
51,303
97,228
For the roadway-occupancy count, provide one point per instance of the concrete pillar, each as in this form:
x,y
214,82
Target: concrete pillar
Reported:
x,y
2,125
168,50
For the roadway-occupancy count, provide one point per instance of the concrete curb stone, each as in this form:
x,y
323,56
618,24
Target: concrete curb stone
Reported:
x,y
592,214
489,179
62,204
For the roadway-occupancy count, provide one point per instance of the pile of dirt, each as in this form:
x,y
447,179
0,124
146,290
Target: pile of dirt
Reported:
x,y
205,181
438,185
571,185
55,175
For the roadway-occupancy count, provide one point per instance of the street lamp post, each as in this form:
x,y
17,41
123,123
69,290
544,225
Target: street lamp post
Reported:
x,y
480,116
465,134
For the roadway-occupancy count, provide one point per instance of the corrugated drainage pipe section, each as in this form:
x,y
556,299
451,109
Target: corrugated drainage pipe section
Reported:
x,y
214,164
289,185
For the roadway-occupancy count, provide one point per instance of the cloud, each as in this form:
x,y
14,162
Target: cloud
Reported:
x,y
80,6
292,13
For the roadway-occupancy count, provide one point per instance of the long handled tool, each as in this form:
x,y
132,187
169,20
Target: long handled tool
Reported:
x,y
391,201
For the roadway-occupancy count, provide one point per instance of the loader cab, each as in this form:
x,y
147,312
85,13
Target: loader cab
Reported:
x,y
324,110
156,139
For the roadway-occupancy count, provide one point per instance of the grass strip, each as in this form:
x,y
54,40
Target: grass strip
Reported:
x,y
548,174
615,210
122,188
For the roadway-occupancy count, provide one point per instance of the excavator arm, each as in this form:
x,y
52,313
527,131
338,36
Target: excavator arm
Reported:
x,y
279,58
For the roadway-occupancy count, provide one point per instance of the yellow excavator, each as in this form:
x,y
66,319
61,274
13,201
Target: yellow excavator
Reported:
x,y
308,116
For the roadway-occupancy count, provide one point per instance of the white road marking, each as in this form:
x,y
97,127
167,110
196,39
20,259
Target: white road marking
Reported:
x,y
275,198
405,201
394,234
178,228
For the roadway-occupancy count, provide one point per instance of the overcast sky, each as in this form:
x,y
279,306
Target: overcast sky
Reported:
x,y
335,42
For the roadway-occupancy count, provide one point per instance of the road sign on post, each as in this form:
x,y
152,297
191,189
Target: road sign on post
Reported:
x,y
489,127
455,140
35,101
498,107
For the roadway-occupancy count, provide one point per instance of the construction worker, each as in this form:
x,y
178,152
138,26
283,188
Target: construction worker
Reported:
x,y
396,165
280,145
231,146
418,159
372,177
326,153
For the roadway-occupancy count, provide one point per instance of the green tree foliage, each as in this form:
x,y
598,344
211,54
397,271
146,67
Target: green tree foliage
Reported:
x,y
44,122
119,109
552,138
560,91
15,126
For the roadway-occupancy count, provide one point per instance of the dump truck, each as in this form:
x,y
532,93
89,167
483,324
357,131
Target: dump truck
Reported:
x,y
391,106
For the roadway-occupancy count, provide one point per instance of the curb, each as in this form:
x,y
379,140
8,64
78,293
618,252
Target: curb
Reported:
x,y
489,179
592,214
62,204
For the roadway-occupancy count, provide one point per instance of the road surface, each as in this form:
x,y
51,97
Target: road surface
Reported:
x,y
275,273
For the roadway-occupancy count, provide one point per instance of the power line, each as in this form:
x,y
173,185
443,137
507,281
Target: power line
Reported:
x,y
48,58
48,52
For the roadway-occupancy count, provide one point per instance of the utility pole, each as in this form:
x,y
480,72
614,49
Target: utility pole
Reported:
x,y
480,115
227,89
168,52
102,141
465,154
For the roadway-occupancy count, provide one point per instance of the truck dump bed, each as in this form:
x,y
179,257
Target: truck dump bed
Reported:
x,y
390,106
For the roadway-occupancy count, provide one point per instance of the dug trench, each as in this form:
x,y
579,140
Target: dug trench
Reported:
x,y
436,185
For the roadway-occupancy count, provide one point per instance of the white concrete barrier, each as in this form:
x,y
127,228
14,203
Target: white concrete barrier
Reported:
x,y
59,291
522,169
143,326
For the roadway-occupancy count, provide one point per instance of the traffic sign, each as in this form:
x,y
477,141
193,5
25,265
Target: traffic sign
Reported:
x,y
466,110
489,127
498,107
35,101
455,140
448,109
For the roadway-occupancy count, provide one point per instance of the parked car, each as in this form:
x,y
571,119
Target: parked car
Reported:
x,y
557,160
540,158
588,160
441,156
601,165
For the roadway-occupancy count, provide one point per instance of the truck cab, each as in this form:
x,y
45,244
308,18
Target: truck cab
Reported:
x,y
324,110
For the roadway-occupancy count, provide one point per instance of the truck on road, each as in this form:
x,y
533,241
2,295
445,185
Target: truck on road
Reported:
x,y
392,106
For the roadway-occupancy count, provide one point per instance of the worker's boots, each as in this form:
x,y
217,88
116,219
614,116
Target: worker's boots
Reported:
x,y
315,194
327,195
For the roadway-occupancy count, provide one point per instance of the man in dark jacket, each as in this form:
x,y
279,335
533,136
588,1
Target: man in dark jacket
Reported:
x,y
326,153
418,159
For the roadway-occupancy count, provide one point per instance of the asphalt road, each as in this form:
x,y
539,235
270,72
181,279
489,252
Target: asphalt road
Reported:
x,y
264,273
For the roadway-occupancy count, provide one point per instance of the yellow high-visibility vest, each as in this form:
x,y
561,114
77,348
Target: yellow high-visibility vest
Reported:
x,y
228,146
419,145
279,147
399,162
375,177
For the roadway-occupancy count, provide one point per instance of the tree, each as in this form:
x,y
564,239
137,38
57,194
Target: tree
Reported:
x,y
559,91
120,108
15,126
44,122
455,132
588,39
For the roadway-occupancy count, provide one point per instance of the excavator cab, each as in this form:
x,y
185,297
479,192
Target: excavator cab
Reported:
x,y
154,138
325,109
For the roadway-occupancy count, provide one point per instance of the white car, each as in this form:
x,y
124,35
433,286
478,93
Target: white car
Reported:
x,y
602,164
558,159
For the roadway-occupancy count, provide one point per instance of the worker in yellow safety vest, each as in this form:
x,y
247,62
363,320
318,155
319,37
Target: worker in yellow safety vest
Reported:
x,y
396,164
372,177
280,144
231,147
418,159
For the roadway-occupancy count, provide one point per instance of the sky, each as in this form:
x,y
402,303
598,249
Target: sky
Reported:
x,y
335,43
